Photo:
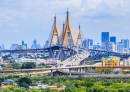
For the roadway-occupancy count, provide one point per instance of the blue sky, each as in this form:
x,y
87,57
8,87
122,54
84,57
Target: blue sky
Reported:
x,y
33,19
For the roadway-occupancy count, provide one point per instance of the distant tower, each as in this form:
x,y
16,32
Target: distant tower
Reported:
x,y
79,38
55,33
105,37
113,39
22,43
68,35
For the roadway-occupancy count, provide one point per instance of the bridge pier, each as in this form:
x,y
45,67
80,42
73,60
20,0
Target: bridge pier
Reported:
x,y
51,73
78,69
70,72
28,73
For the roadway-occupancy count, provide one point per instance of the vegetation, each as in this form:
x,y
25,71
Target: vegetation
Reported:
x,y
12,61
16,66
6,57
79,84
29,65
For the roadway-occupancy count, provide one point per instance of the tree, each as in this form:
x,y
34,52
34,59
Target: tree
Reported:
x,y
107,83
80,77
1,80
67,83
10,77
89,90
12,61
29,65
79,83
24,82
16,66
6,57
121,90
128,88
89,84
113,90
2,65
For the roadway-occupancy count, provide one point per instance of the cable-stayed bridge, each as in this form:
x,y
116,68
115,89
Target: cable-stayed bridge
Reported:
x,y
64,45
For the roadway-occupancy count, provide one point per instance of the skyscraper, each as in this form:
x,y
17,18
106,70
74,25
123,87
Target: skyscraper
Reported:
x,y
13,46
22,43
35,42
125,43
119,47
105,36
108,46
113,39
89,42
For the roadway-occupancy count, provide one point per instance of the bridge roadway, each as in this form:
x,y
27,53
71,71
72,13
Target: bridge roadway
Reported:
x,y
42,69
103,76
56,47
76,74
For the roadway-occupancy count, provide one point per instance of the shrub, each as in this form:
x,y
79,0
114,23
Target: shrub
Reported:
x,y
121,90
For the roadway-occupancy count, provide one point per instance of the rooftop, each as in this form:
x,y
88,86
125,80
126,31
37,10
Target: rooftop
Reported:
x,y
111,57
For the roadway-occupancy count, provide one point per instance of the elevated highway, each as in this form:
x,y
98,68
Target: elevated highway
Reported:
x,y
42,69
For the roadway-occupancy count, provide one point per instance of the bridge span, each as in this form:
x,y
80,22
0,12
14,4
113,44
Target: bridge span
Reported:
x,y
42,69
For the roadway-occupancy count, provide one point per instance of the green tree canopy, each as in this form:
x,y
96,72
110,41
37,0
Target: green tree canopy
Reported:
x,y
24,82
16,66
29,65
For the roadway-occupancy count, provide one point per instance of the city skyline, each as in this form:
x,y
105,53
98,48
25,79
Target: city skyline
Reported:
x,y
34,20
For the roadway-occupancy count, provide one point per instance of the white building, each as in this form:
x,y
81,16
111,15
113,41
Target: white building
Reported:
x,y
127,62
20,47
108,46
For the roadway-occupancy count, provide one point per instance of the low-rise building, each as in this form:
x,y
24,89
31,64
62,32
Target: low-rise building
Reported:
x,y
7,81
111,61
127,62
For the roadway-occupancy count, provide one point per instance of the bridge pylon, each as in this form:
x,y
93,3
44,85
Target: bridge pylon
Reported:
x,y
79,38
67,33
54,34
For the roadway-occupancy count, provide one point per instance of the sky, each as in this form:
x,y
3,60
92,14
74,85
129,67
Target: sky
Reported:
x,y
33,19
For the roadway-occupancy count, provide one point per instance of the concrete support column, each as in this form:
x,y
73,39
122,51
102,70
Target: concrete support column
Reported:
x,y
67,74
51,73
84,69
70,72
78,69
28,73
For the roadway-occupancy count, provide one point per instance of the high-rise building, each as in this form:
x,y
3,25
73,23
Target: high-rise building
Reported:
x,y
46,44
22,43
35,42
13,46
119,47
89,42
25,45
105,36
113,39
108,46
2,47
125,43
85,43
97,46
